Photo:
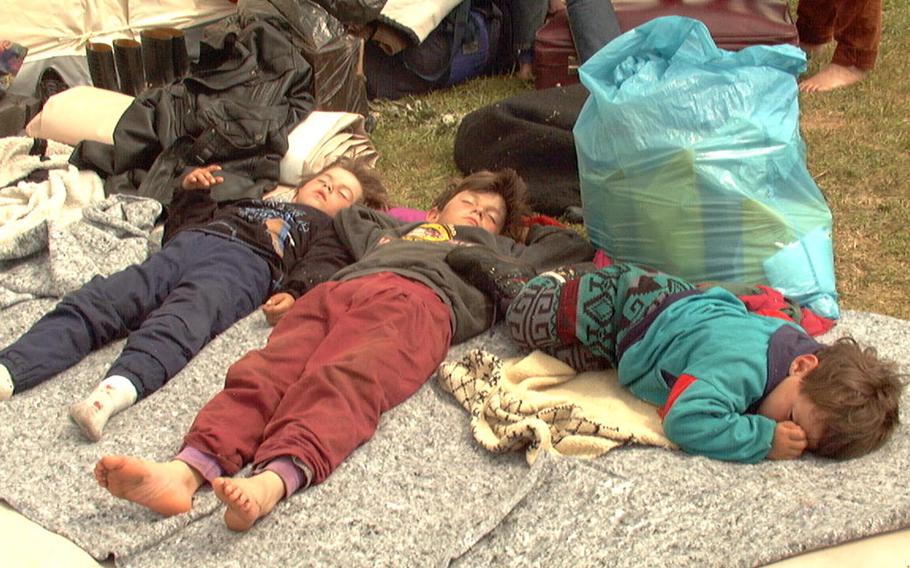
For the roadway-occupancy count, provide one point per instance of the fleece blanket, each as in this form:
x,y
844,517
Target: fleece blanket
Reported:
x,y
422,492
107,236
538,403
37,188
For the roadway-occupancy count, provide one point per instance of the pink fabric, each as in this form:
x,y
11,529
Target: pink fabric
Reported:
x,y
205,464
602,259
407,215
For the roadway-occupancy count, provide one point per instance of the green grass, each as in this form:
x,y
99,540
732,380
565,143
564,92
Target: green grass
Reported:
x,y
858,151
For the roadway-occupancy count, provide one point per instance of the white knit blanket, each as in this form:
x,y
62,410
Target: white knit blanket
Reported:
x,y
538,403
55,235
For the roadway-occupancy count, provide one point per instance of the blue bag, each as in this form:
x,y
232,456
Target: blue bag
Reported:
x,y
691,161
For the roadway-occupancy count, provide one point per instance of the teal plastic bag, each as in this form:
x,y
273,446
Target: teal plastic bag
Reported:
x,y
691,161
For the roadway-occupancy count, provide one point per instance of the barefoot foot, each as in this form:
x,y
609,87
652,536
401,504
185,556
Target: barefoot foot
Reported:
x,y
832,76
248,500
525,71
6,383
166,488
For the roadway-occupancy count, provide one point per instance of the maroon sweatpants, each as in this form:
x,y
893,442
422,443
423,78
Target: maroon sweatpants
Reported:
x,y
856,26
345,353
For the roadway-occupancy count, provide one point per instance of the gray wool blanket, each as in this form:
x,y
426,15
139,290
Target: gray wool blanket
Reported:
x,y
57,230
109,236
423,493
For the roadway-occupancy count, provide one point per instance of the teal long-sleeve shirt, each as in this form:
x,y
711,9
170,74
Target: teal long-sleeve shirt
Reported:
x,y
709,362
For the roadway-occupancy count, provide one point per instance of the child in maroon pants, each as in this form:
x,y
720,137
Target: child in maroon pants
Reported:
x,y
354,348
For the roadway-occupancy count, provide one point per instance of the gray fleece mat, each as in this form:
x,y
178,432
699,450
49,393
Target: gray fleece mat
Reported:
x,y
421,493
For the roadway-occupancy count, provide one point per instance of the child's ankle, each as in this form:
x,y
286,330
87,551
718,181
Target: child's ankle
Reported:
x,y
113,395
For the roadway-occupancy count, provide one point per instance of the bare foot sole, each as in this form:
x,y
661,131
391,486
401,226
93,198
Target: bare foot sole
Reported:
x,y
247,500
89,418
161,487
832,76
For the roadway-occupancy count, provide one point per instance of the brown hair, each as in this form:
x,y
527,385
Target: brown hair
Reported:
x,y
506,183
375,195
858,395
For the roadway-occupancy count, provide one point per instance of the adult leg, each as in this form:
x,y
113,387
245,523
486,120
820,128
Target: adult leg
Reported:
x,y
593,24
527,17
815,23
857,29
858,32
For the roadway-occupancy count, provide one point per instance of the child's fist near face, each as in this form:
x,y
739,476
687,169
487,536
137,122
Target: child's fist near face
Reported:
x,y
790,441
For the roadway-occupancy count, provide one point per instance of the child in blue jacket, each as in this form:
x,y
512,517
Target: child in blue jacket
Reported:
x,y
730,384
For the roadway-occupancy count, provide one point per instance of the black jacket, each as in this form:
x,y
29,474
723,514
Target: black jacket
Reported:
x,y
249,88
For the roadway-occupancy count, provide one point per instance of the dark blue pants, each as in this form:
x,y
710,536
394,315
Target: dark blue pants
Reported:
x,y
171,306
593,24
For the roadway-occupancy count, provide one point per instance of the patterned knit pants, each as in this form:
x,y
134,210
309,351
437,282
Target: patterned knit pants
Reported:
x,y
585,321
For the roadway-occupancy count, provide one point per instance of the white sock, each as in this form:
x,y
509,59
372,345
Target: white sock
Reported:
x,y
6,383
112,395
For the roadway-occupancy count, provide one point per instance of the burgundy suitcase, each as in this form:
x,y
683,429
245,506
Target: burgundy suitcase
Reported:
x,y
733,24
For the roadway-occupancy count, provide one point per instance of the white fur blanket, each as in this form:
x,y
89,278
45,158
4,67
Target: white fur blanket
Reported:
x,y
26,207
107,237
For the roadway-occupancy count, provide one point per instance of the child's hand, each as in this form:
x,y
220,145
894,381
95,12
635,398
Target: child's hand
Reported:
x,y
276,306
202,178
789,443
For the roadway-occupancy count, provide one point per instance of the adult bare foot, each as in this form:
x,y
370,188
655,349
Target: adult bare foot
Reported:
x,y
166,488
832,76
525,71
248,499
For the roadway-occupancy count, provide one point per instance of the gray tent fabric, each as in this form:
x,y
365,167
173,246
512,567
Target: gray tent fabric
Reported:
x,y
422,493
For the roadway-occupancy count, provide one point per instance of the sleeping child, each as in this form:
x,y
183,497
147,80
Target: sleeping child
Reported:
x,y
219,262
730,384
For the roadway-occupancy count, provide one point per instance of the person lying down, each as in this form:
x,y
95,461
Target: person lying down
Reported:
x,y
345,353
220,261
730,384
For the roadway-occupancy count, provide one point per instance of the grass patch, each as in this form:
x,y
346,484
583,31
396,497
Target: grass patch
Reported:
x,y
858,143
